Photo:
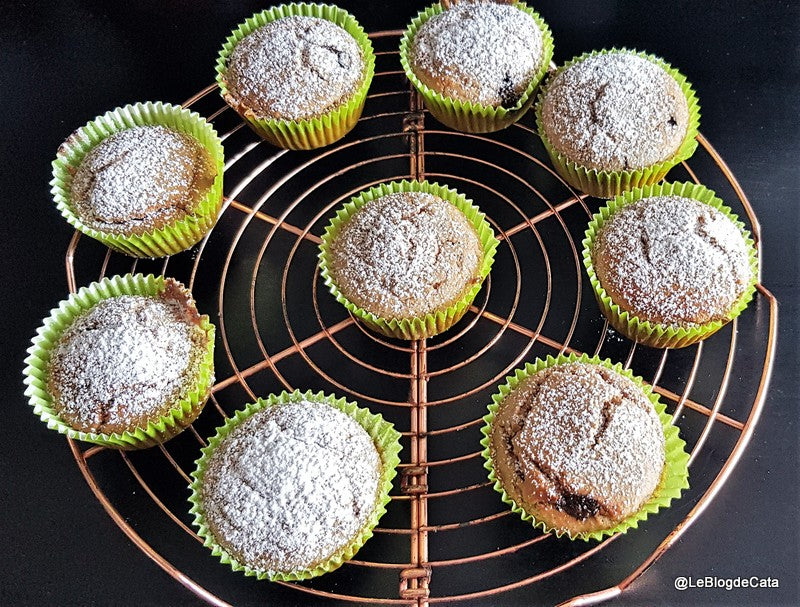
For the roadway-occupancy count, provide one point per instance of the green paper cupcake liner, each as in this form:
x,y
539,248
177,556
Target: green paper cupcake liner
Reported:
x,y
465,115
309,133
178,235
675,477
61,318
642,331
387,442
605,184
419,327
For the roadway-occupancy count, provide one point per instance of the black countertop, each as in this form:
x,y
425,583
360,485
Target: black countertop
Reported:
x,y
63,64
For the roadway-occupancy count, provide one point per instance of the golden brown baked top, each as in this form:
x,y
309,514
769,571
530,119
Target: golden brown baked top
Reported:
x,y
406,255
141,179
615,112
672,260
127,361
579,445
294,68
481,52
291,486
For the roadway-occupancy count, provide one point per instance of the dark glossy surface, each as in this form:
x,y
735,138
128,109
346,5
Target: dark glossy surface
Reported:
x,y
62,65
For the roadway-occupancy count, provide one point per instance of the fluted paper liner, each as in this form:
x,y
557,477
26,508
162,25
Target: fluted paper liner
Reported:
x,y
466,115
177,235
418,327
305,134
605,184
387,442
184,411
640,330
675,477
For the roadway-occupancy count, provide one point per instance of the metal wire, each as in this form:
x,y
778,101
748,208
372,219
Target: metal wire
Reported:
x,y
511,338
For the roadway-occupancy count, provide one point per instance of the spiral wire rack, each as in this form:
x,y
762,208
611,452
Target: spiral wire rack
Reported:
x,y
446,537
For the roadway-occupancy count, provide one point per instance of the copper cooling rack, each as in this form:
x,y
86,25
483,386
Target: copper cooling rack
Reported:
x,y
446,536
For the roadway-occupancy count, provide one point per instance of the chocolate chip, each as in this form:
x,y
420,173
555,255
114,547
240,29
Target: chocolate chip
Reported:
x,y
507,93
577,506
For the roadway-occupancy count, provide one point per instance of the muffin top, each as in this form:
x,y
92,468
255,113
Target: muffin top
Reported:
x,y
477,51
614,112
578,445
291,486
294,68
140,179
127,361
672,260
405,255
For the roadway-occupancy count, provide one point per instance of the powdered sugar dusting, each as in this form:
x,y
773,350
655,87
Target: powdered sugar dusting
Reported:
x,y
588,434
406,255
290,486
478,51
295,68
123,362
672,260
615,112
140,178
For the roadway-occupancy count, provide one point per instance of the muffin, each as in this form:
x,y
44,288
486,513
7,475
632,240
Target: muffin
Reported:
x,y
407,258
580,448
298,74
127,362
477,63
145,179
292,486
670,264
615,120
141,179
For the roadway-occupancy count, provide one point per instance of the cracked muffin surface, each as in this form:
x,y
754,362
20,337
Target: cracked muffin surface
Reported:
x,y
291,486
406,255
294,68
127,361
483,52
615,111
578,446
141,179
672,260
